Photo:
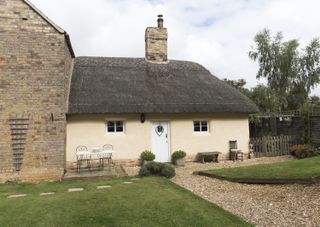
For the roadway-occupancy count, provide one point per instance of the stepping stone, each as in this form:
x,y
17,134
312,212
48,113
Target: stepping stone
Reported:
x,y
75,189
135,179
16,196
127,182
104,186
47,193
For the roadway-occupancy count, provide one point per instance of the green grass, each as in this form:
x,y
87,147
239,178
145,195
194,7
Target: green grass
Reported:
x,y
295,169
149,202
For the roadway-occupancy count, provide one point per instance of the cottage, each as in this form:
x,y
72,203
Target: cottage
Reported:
x,y
52,102
153,103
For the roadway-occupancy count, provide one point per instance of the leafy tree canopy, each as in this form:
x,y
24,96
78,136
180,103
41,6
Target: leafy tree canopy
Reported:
x,y
291,72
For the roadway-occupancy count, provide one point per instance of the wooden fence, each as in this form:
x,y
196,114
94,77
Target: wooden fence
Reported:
x,y
271,145
304,126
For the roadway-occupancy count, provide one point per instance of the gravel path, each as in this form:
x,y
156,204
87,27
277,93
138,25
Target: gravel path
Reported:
x,y
262,205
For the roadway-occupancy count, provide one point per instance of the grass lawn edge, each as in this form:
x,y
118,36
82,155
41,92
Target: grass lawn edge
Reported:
x,y
310,180
299,171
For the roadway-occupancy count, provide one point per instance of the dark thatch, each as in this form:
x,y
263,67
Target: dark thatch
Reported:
x,y
132,85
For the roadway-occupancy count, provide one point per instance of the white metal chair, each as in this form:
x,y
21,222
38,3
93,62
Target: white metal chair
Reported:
x,y
82,157
108,156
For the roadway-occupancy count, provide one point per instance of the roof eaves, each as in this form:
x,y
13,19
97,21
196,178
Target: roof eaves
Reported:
x,y
67,37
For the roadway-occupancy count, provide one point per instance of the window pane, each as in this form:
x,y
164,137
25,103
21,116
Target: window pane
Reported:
x,y
196,126
204,123
110,123
119,128
111,127
204,129
119,123
204,126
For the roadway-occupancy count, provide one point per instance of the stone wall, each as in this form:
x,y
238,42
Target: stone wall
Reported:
x,y
35,66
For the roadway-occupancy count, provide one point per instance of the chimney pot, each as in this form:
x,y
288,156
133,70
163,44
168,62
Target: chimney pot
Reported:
x,y
160,21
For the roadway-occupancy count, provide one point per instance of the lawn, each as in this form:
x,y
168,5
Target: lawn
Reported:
x,y
295,169
151,201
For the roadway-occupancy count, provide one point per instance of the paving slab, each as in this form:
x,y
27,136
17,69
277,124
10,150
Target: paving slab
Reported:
x,y
104,186
127,182
135,179
17,196
47,193
75,189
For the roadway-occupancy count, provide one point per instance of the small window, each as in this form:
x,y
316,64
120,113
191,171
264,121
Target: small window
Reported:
x,y
200,126
115,126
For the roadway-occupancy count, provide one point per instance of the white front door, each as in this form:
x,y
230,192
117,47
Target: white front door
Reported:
x,y
160,135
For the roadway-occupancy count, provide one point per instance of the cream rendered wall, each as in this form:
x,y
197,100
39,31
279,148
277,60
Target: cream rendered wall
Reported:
x,y
90,130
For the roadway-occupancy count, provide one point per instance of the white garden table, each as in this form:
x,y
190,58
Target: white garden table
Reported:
x,y
95,153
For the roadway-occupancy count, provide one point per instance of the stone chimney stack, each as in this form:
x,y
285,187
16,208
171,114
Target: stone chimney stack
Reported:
x,y
156,43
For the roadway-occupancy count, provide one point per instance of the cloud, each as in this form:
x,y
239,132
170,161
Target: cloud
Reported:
x,y
215,33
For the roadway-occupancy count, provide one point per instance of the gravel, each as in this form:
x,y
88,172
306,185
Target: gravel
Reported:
x,y
262,205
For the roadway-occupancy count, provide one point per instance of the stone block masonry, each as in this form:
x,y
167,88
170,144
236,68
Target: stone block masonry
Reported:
x,y
35,69
156,43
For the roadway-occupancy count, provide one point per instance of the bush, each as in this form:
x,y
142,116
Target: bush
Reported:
x,y
178,155
144,171
147,156
157,169
168,171
154,167
303,151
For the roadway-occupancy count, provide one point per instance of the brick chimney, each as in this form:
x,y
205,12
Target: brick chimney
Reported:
x,y
156,43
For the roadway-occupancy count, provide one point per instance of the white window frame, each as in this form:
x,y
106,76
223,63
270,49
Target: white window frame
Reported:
x,y
115,127
201,121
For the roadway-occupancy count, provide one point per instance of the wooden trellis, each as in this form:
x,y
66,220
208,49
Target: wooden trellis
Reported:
x,y
19,131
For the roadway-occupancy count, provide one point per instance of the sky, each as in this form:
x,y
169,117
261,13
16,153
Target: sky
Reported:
x,y
215,33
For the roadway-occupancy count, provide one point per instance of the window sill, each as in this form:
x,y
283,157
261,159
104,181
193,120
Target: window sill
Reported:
x,y
115,133
201,133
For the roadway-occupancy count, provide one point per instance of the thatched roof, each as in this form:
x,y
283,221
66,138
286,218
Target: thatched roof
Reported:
x,y
132,85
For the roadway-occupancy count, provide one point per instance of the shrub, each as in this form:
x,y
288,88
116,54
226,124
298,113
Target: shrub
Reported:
x,y
144,171
178,155
168,171
157,169
154,167
147,156
302,151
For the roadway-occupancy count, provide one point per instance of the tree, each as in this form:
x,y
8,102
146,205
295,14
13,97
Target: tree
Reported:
x,y
291,73
314,101
239,85
260,95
